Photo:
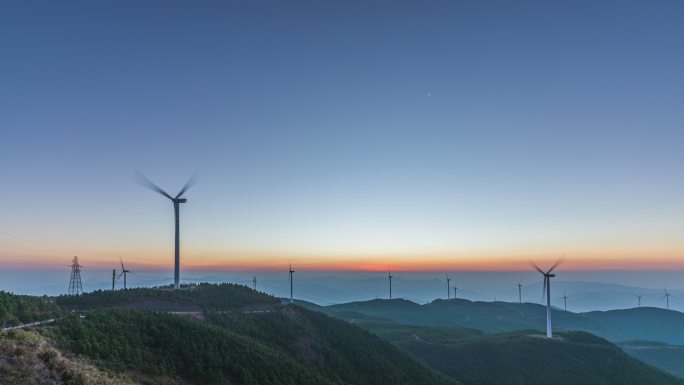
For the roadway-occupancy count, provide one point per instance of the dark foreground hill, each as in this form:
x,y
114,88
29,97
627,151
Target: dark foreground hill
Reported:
x,y
240,337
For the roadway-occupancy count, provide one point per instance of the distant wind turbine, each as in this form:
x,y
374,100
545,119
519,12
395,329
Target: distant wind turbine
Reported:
x,y
547,290
455,290
565,301
639,299
448,282
390,276
291,286
177,200
667,298
124,272
519,292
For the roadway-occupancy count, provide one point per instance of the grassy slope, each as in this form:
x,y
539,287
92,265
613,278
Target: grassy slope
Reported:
x,y
29,358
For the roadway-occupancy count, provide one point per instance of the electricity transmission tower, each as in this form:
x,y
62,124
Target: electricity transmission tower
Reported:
x,y
75,287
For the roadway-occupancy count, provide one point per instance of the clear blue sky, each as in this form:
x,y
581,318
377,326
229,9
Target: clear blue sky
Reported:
x,y
334,130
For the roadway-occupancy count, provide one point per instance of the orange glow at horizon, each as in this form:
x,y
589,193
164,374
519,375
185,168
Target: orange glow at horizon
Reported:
x,y
251,261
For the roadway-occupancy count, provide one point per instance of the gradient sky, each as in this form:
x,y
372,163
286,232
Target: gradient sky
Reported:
x,y
428,134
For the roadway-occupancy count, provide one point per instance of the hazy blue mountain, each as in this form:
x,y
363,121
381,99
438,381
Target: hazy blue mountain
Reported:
x,y
616,325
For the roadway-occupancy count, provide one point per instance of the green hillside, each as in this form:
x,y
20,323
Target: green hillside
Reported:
x,y
669,358
244,337
16,309
204,297
522,357
230,334
616,325
493,317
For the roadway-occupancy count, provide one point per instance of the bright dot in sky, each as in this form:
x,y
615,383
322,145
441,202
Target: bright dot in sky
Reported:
x,y
429,94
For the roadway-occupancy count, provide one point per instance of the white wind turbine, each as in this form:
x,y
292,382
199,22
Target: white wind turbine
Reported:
x,y
667,298
547,290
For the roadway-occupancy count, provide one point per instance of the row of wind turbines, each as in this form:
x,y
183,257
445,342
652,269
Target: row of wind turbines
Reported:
x,y
178,199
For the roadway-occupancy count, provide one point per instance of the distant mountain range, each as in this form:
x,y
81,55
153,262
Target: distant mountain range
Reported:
x,y
645,323
652,335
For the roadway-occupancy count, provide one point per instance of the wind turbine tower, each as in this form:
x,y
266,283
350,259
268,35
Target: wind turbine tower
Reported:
x,y
113,278
455,290
390,276
520,292
547,290
254,282
448,285
667,298
291,272
565,301
177,200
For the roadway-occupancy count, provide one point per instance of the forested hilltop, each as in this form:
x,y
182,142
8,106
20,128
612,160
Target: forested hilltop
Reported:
x,y
16,309
224,334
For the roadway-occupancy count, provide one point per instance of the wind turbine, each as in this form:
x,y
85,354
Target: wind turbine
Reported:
x,y
448,285
667,298
520,292
124,272
177,200
547,290
291,272
455,290
565,301
390,276
639,299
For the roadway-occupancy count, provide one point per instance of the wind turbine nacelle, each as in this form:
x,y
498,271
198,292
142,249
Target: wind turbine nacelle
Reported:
x,y
181,200
551,275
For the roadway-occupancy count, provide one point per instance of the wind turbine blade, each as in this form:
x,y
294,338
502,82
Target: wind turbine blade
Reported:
x,y
536,267
122,266
555,265
188,184
143,181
